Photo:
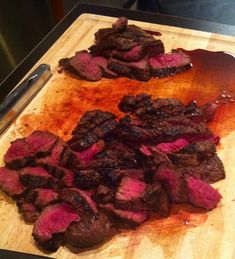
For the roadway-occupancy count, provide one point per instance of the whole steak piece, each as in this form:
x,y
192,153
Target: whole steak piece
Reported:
x,y
89,231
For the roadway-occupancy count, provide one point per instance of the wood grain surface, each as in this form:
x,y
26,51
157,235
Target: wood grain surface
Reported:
x,y
63,100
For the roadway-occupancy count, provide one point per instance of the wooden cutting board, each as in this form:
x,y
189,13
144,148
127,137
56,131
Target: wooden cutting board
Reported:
x,y
186,233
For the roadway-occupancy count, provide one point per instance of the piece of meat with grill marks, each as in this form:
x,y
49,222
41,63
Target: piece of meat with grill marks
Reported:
x,y
94,136
138,70
129,103
90,120
120,24
51,225
170,147
135,54
200,114
28,211
104,194
89,231
86,179
210,170
88,154
128,218
201,194
36,177
161,133
169,64
10,182
41,197
85,66
67,180
23,151
135,195
102,62
80,201
194,153
173,181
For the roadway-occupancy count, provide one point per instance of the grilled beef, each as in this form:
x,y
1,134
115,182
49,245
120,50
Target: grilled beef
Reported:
x,y
128,217
89,232
120,24
80,201
41,197
134,195
86,179
36,177
104,194
51,224
169,64
202,194
28,211
10,182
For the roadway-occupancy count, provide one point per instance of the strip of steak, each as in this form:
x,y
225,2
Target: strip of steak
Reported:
x,y
36,177
128,217
80,200
10,182
134,195
210,171
120,24
169,64
41,197
51,224
87,179
104,194
23,151
85,66
89,231
202,194
138,70
102,62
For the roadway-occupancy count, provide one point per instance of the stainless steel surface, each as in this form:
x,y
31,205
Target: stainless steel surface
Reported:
x,y
21,95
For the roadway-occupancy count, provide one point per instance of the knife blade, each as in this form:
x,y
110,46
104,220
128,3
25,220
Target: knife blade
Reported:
x,y
22,94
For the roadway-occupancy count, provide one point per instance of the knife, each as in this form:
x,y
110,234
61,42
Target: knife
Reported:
x,y
22,94
7,254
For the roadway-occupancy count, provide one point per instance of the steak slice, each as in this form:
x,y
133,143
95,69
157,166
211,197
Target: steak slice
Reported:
x,y
23,151
51,224
41,197
102,62
210,170
87,179
135,195
10,182
138,70
85,66
29,212
128,217
202,194
89,231
88,154
173,181
169,64
80,201
104,194
36,177
170,147
135,54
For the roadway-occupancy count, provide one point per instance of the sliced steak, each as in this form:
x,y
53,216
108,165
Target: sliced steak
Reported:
x,y
128,217
138,70
89,231
41,197
174,182
135,54
51,224
23,151
87,179
135,195
102,62
36,177
210,171
202,194
80,200
169,64
10,182
85,66
170,147
28,211
67,180
88,154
